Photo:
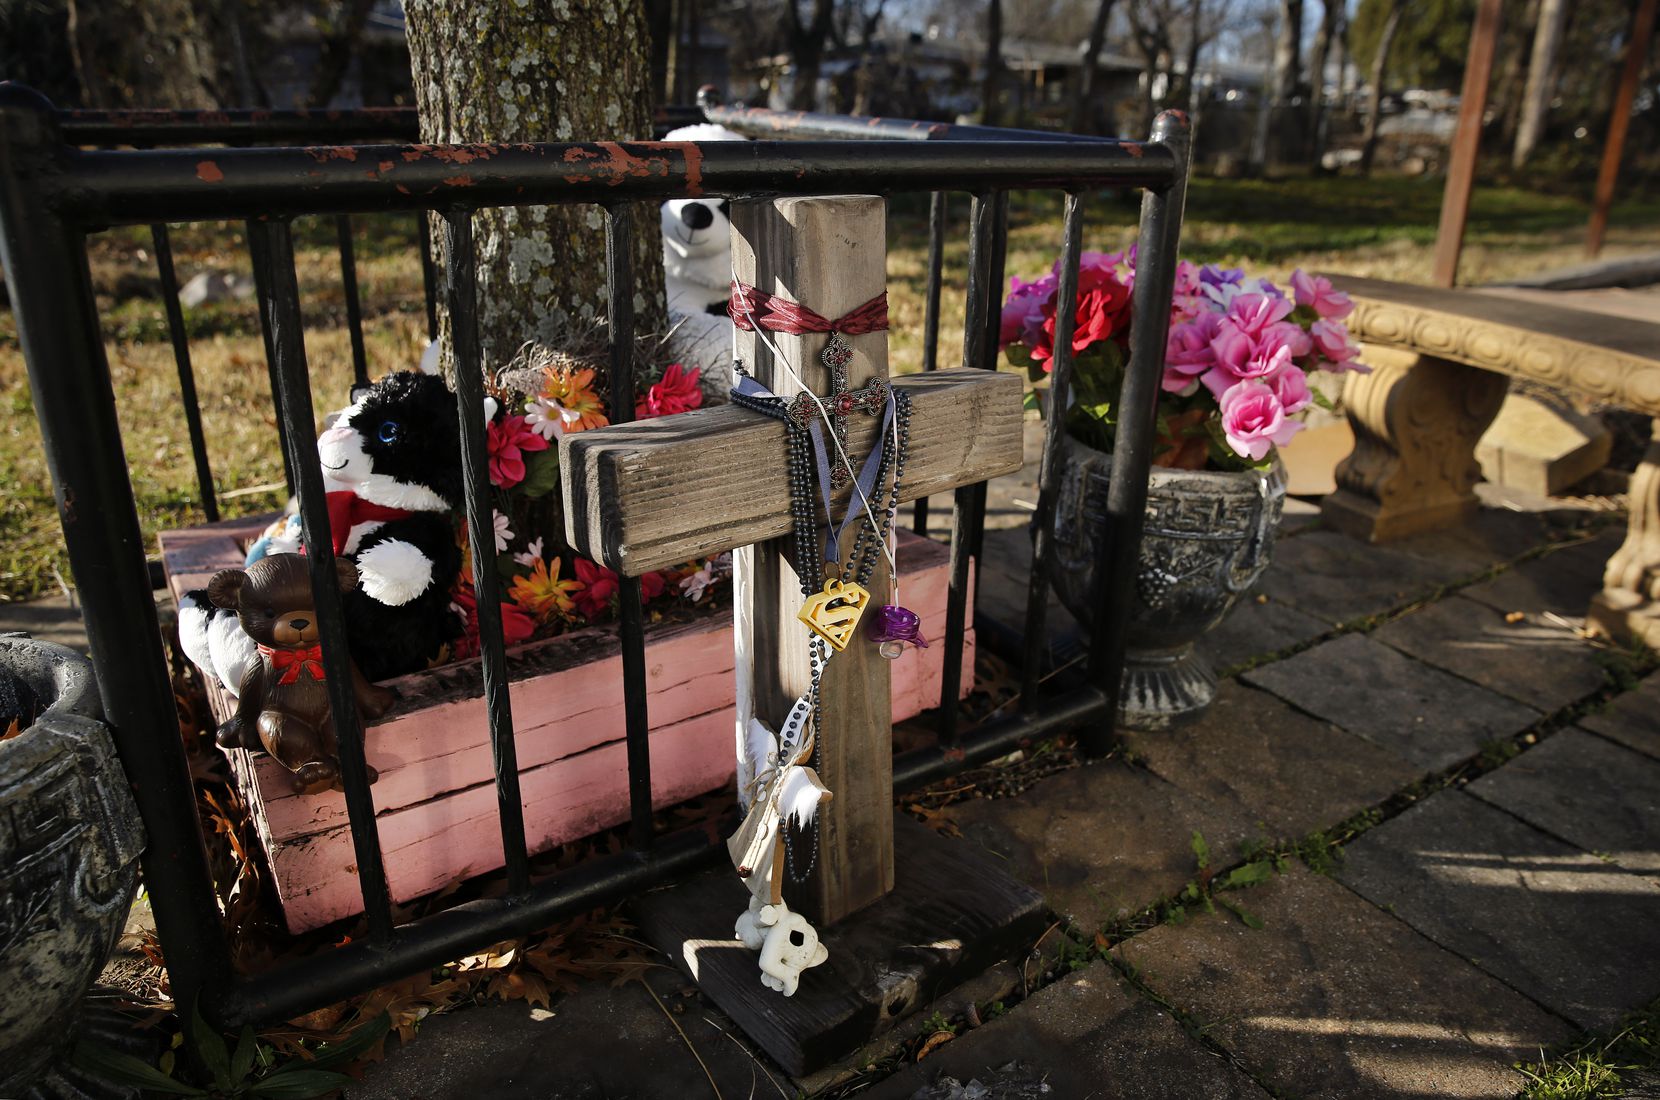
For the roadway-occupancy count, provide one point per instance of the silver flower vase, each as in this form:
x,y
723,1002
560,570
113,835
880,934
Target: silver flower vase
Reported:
x,y
1208,537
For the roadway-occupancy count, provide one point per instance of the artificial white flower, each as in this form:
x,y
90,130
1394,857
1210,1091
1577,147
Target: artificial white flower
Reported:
x,y
504,533
531,554
548,418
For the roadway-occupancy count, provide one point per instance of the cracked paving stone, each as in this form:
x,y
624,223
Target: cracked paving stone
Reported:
x,y
1632,719
1256,755
1256,629
1533,661
599,1042
1425,715
1590,792
1558,924
1333,997
1337,579
1559,583
1101,841
1086,1038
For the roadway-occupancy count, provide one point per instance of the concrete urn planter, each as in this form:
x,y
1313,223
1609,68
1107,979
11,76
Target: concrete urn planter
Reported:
x,y
1208,536
70,838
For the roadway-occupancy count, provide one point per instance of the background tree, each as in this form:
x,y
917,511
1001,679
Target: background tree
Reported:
x,y
1329,35
806,42
1082,118
1430,48
1541,78
1288,51
992,81
1381,49
541,70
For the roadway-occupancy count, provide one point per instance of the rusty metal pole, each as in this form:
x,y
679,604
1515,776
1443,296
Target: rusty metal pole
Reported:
x,y
1636,52
1466,143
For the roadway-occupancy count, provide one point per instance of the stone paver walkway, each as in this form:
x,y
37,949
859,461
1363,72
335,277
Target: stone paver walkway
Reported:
x,y
1494,781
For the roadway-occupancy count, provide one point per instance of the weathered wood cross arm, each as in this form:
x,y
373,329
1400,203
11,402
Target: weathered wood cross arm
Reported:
x,y
644,496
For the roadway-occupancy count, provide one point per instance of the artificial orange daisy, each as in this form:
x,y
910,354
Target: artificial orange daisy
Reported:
x,y
543,594
573,391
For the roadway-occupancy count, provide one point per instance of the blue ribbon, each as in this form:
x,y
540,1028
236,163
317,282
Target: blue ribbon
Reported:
x,y
865,484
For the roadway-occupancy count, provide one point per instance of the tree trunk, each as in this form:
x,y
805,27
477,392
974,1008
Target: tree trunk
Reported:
x,y
1083,114
1541,78
141,53
807,50
337,51
541,70
1288,51
994,63
1374,100
1331,19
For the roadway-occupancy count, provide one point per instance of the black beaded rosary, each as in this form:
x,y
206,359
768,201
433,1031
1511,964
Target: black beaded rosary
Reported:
x,y
836,601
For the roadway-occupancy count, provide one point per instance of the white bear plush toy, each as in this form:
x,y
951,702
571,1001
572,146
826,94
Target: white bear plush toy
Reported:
x,y
697,268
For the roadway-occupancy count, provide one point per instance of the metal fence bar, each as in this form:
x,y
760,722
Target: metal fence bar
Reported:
x,y
931,320
354,309
281,307
1049,469
258,256
460,266
965,502
986,357
1159,236
69,379
117,188
619,291
187,377
429,276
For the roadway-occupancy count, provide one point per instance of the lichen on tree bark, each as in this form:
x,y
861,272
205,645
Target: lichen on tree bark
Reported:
x,y
539,70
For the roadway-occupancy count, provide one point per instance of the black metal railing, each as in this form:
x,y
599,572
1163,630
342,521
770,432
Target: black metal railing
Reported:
x,y
53,194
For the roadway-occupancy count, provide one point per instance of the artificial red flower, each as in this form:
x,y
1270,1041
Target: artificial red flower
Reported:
x,y
652,585
676,392
1103,312
516,626
598,585
507,440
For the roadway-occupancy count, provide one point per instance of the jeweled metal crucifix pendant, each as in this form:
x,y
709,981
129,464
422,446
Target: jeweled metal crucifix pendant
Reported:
x,y
840,401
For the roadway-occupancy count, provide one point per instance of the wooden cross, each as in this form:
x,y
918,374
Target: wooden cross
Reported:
x,y
656,493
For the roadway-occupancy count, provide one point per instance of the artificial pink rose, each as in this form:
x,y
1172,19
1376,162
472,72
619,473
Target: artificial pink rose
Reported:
x,y
1254,421
1023,309
1331,340
1316,292
506,440
1288,334
1252,313
1290,385
678,391
1103,262
1186,301
1188,352
1239,357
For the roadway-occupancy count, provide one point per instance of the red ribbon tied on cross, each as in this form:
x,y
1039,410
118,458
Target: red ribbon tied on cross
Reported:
x,y
750,306
291,662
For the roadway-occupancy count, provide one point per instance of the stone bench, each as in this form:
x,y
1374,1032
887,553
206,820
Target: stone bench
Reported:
x,y
1439,360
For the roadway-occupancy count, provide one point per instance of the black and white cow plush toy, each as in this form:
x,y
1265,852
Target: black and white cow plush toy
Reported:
x,y
391,466
393,460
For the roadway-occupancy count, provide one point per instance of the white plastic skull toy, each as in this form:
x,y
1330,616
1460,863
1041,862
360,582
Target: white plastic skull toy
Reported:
x,y
787,942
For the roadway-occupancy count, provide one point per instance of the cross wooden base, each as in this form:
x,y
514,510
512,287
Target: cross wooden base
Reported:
x,y
952,913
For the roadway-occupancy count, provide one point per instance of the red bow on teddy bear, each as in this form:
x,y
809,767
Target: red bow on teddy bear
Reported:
x,y
290,662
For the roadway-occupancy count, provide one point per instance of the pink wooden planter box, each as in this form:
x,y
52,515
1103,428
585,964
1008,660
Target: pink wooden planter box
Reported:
x,y
435,800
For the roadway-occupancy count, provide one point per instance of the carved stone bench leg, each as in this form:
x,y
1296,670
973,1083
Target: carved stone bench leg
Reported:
x,y
1417,420
1628,607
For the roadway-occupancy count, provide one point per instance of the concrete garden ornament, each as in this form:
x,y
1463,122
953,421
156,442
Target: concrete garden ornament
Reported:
x,y
1235,379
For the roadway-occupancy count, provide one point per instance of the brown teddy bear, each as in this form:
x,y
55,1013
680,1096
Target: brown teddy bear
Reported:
x,y
283,703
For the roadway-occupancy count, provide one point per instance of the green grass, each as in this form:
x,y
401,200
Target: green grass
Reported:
x,y
1598,1065
1380,227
